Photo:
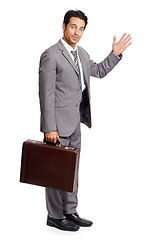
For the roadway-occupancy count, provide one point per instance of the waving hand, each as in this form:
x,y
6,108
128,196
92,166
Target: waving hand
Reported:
x,y
120,46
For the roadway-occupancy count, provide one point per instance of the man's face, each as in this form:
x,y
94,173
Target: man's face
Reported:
x,y
73,31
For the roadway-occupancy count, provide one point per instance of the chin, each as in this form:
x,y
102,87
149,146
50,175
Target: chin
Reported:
x,y
74,41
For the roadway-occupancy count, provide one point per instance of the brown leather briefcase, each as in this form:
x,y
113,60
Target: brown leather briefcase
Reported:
x,y
49,165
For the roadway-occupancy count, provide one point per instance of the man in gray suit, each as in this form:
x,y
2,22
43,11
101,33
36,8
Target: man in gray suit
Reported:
x,y
64,91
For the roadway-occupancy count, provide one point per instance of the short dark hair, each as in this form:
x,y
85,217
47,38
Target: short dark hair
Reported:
x,y
77,14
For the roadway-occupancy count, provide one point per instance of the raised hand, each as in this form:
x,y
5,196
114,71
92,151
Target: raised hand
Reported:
x,y
120,46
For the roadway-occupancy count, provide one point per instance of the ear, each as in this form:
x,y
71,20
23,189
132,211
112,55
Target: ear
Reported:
x,y
63,27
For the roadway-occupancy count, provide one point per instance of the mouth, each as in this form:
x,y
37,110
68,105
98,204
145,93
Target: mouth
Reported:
x,y
75,38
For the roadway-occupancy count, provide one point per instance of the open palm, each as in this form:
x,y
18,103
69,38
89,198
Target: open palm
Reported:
x,y
120,46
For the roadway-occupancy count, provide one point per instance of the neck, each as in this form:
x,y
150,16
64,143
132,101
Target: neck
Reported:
x,y
73,45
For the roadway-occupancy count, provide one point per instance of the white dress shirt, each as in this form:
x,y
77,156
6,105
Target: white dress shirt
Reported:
x,y
69,49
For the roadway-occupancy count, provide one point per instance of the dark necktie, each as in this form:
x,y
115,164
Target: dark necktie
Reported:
x,y
74,53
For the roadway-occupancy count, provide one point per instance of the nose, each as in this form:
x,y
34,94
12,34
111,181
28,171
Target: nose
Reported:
x,y
76,32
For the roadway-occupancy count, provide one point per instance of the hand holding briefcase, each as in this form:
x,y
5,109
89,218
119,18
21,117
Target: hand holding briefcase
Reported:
x,y
48,165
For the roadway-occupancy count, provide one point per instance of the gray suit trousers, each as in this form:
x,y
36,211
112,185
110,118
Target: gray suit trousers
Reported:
x,y
59,202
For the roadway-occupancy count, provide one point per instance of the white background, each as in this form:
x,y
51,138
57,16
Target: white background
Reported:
x,y
115,167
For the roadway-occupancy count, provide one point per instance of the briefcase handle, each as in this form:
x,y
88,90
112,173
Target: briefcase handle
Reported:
x,y
57,143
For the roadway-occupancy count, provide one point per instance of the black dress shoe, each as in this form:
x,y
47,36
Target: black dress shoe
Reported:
x,y
79,221
62,224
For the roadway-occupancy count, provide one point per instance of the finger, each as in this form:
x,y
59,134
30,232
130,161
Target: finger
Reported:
x,y
128,45
114,40
51,139
54,140
126,39
58,138
48,139
123,37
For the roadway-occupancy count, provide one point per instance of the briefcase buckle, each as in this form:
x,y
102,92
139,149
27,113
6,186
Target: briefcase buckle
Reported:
x,y
69,148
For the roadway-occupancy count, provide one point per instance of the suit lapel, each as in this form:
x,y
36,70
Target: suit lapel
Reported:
x,y
66,55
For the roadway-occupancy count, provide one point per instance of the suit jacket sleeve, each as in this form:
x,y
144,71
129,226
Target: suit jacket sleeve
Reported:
x,y
101,69
47,82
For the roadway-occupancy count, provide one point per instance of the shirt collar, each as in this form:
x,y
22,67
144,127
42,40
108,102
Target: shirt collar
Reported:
x,y
68,47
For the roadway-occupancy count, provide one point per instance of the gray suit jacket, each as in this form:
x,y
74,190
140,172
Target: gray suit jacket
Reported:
x,y
59,89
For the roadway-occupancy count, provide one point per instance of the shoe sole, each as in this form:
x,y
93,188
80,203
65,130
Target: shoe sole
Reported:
x,y
63,229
